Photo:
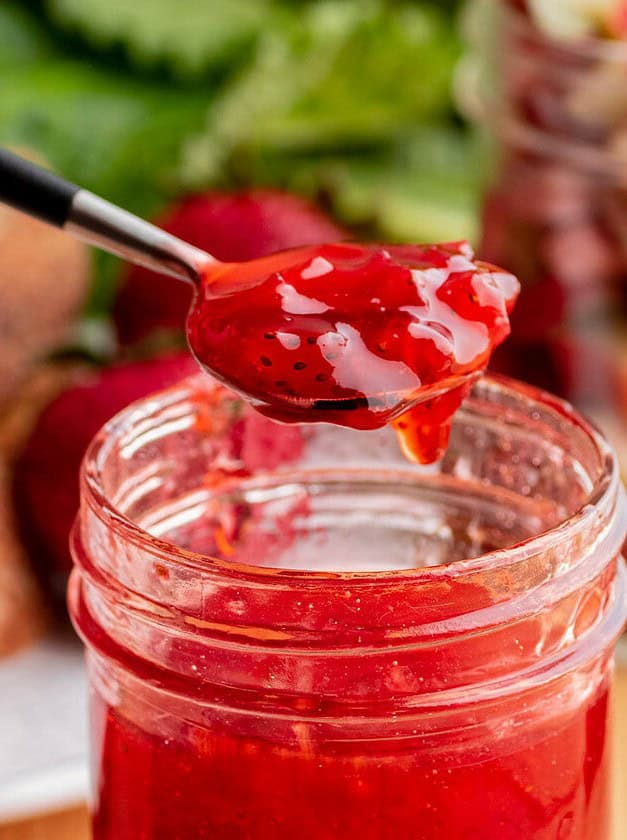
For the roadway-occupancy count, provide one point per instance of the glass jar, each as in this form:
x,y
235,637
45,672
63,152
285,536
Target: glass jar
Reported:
x,y
556,214
292,631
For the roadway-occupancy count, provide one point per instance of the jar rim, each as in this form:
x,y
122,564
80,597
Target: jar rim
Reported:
x,y
606,488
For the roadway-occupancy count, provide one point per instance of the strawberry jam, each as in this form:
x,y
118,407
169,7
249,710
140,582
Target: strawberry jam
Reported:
x,y
356,335
201,785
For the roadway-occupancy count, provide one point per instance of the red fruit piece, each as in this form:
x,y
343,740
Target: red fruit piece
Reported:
x,y
233,227
46,473
261,444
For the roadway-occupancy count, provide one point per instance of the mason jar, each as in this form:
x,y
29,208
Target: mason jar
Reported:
x,y
294,632
556,211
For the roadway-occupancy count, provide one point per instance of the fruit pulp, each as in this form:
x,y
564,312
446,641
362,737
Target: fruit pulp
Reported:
x,y
357,335
189,782
274,772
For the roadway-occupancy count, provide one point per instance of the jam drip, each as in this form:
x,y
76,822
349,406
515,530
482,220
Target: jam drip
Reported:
x,y
357,335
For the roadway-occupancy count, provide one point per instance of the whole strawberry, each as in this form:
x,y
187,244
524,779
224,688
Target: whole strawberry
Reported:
x,y
233,227
46,489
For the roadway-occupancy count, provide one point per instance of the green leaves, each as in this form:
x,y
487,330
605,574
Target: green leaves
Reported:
x,y
189,37
21,39
425,187
345,74
116,134
349,99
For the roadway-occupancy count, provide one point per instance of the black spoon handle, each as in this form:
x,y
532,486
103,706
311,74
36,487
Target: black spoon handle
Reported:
x,y
34,190
38,192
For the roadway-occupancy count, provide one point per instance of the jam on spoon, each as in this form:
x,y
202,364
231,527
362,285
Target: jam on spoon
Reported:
x,y
357,335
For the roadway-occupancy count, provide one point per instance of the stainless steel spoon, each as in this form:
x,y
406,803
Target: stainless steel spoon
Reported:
x,y
40,193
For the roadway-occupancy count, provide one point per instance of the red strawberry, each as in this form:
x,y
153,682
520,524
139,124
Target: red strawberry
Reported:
x,y
232,227
46,473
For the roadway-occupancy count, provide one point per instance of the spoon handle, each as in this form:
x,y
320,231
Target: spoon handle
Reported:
x,y
38,192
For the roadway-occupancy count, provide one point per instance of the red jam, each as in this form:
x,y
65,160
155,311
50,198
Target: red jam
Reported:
x,y
356,335
199,783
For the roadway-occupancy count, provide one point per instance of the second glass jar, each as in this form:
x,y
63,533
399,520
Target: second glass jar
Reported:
x,y
556,215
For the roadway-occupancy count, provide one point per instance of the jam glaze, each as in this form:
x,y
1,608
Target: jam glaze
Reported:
x,y
356,335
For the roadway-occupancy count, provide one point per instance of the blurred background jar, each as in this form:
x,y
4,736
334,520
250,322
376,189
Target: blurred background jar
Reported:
x,y
547,79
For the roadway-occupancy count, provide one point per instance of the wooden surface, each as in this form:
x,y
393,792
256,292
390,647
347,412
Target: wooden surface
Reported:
x,y
74,825
69,825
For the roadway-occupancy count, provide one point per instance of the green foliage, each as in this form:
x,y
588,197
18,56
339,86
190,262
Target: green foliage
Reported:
x,y
113,133
21,39
345,74
118,136
326,97
425,187
189,37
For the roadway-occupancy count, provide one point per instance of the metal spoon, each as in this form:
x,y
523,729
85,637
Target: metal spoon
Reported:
x,y
40,193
